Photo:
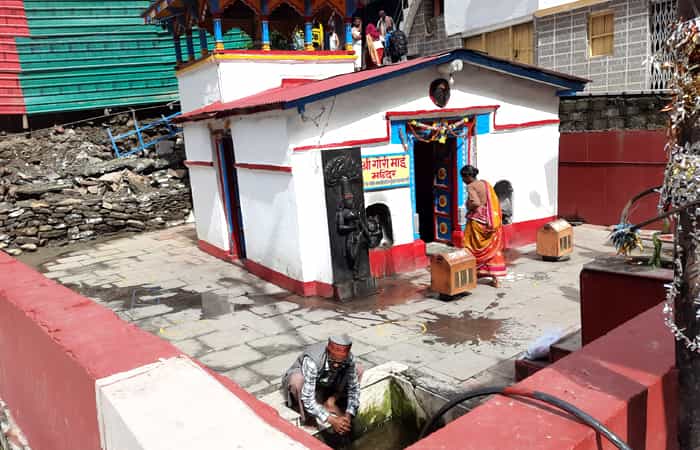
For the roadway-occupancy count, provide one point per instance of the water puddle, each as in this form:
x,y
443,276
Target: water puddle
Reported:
x,y
451,330
133,297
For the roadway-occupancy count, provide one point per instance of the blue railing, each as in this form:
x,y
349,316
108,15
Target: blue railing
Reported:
x,y
143,145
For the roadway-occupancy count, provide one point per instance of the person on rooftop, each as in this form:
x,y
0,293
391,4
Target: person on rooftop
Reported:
x,y
323,384
357,42
375,48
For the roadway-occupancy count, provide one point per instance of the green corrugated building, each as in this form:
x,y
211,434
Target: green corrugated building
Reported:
x,y
87,54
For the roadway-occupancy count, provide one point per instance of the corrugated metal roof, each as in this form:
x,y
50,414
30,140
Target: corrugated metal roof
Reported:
x,y
89,54
285,97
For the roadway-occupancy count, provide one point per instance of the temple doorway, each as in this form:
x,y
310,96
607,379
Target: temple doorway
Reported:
x,y
229,192
435,183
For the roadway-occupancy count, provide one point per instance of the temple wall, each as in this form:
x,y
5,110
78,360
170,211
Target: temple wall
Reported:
x,y
206,193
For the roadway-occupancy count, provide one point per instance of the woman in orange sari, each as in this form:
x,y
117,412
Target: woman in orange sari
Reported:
x,y
483,234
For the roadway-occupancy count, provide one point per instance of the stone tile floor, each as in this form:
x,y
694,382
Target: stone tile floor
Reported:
x,y
251,330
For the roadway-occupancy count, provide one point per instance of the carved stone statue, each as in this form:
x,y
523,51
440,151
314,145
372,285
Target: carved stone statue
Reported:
x,y
360,232
352,233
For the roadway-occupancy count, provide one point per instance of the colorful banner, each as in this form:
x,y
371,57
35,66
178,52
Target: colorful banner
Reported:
x,y
386,171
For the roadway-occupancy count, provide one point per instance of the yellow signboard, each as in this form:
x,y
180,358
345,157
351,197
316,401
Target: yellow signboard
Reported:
x,y
386,171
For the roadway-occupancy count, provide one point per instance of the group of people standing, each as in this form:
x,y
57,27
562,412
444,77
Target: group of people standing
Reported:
x,y
379,45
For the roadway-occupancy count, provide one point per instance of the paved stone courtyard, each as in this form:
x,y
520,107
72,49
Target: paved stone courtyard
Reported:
x,y
251,330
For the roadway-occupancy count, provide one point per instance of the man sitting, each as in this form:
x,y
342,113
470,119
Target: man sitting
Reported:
x,y
324,383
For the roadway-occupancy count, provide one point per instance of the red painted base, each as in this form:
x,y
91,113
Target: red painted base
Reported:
x,y
398,259
216,251
307,289
625,379
458,238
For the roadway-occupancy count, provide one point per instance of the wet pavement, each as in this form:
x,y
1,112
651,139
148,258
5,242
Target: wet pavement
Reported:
x,y
251,330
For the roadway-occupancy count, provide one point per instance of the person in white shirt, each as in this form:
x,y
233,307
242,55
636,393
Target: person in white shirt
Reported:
x,y
357,42
333,39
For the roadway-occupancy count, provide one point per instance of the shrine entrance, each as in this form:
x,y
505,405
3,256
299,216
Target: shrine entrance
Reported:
x,y
436,189
228,183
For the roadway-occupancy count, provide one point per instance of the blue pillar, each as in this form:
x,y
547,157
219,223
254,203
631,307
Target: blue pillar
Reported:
x,y
348,34
308,26
349,9
203,45
265,25
176,42
190,45
218,34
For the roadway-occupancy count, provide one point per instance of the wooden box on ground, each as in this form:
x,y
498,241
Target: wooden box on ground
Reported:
x,y
555,239
453,273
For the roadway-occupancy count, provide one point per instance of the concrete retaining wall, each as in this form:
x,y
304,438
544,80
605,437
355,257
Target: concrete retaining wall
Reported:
x,y
71,372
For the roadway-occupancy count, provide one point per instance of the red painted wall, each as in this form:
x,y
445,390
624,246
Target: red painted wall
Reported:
x,y
611,295
13,23
625,379
599,171
54,345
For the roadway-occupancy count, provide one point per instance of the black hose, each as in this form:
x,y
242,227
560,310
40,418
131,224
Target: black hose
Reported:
x,y
541,396
428,428
583,417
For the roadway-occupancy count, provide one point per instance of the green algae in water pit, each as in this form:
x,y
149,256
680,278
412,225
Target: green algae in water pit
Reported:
x,y
392,435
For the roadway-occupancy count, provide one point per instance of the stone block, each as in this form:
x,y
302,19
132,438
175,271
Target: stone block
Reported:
x,y
282,343
225,360
463,365
321,332
245,377
274,368
385,335
230,338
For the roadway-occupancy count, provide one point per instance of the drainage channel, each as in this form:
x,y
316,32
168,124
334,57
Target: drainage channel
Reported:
x,y
395,404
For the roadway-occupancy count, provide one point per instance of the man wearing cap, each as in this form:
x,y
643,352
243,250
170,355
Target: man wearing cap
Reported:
x,y
324,382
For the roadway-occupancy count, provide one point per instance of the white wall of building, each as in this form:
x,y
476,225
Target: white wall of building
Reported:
x,y
199,86
529,159
314,241
261,139
284,214
470,17
270,220
210,217
241,78
269,200
360,114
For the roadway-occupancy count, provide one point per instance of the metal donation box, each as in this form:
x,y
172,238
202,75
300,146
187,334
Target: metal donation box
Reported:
x,y
555,239
453,273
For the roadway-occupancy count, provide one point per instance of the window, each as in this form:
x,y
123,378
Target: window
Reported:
x,y
513,43
601,33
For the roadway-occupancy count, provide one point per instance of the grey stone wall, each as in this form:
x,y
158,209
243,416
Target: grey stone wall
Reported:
x,y
428,34
59,186
562,45
621,112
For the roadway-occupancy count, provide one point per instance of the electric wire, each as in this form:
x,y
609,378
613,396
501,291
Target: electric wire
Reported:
x,y
541,396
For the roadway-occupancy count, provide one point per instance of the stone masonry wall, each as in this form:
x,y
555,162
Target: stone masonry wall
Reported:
x,y
622,112
562,45
65,185
428,34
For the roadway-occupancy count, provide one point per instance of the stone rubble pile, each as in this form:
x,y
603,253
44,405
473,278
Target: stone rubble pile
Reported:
x,y
60,186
